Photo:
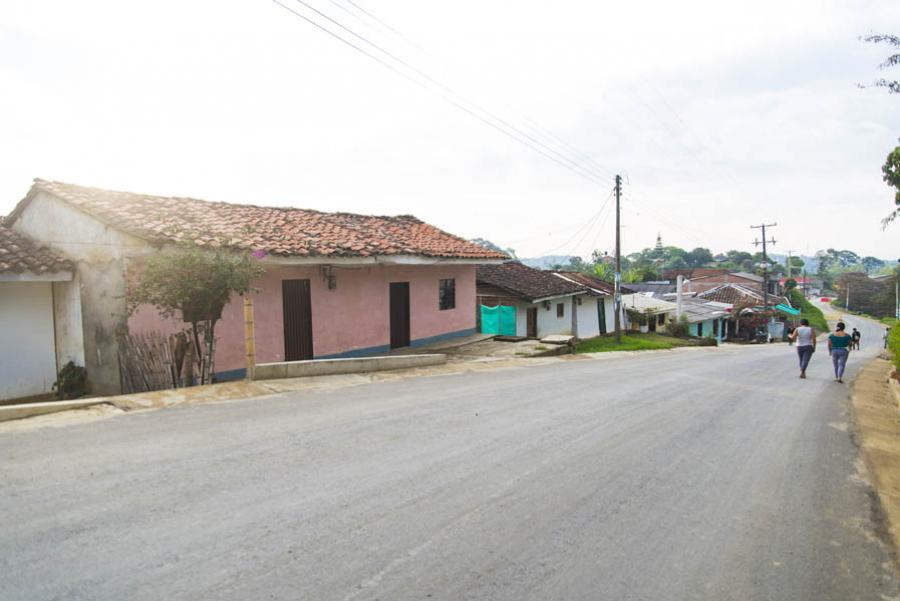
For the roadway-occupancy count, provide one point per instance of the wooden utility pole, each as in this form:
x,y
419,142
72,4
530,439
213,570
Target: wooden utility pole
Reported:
x,y
765,261
249,337
617,302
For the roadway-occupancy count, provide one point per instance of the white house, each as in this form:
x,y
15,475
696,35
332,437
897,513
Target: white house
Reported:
x,y
40,316
543,303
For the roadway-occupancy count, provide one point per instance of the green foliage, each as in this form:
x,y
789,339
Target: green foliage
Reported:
x,y
630,342
891,174
192,282
71,382
679,328
873,297
894,345
893,86
809,311
195,284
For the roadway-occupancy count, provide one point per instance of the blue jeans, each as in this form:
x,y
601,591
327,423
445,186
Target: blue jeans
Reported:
x,y
839,358
805,353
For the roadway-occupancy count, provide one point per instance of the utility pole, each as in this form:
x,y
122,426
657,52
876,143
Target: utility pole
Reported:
x,y
765,261
788,263
847,302
617,302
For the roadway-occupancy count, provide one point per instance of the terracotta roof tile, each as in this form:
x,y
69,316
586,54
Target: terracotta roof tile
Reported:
x,y
275,230
526,282
20,254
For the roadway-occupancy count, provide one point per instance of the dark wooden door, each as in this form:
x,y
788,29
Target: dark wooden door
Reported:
x,y
297,305
601,314
531,322
399,314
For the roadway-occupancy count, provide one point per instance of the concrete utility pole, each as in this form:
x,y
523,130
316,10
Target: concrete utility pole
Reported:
x,y
617,302
765,261
847,302
788,263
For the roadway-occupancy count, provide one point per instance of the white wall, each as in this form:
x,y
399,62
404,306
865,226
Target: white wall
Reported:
x,y
67,312
100,254
549,324
588,322
27,355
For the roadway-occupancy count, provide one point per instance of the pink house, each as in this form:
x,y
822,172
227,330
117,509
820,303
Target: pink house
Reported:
x,y
336,284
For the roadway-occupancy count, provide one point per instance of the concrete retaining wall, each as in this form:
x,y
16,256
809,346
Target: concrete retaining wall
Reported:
x,y
329,367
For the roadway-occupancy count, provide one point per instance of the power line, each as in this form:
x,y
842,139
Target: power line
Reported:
x,y
507,129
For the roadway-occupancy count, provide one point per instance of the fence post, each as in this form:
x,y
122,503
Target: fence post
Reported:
x,y
249,338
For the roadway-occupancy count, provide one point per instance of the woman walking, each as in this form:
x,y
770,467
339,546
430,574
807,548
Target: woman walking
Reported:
x,y
805,337
839,349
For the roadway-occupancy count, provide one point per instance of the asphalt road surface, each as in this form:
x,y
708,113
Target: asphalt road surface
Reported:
x,y
700,474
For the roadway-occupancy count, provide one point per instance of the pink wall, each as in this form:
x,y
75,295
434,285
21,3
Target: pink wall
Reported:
x,y
355,315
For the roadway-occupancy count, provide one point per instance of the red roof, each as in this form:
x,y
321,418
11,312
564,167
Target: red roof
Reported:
x,y
275,230
20,254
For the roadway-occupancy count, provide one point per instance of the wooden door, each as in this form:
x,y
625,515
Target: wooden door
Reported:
x,y
531,322
399,314
601,315
297,307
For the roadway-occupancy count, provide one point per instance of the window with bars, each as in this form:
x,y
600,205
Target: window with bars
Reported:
x,y
447,294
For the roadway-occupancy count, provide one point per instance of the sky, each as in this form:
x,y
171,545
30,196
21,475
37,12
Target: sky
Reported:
x,y
718,115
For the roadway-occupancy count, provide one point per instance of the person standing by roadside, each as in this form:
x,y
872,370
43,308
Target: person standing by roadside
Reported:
x,y
839,349
805,337
856,336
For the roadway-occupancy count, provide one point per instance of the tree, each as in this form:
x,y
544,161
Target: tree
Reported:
x,y
195,284
488,244
891,175
893,86
698,257
872,264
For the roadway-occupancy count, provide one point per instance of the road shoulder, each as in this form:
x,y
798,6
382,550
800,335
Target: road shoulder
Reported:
x,y
877,419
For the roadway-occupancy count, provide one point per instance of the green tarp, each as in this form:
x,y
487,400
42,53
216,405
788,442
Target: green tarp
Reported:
x,y
786,309
498,320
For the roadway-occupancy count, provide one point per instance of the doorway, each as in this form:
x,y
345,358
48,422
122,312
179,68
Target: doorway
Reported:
x,y
531,322
297,307
399,314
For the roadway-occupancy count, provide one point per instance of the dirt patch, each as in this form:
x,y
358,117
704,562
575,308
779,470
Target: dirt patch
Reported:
x,y
877,421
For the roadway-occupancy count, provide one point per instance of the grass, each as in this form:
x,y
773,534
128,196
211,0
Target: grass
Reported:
x,y
631,342
809,311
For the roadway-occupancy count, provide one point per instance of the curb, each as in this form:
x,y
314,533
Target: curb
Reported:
x,y
11,412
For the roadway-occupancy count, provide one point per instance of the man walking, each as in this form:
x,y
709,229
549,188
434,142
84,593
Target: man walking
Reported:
x,y
856,336
805,337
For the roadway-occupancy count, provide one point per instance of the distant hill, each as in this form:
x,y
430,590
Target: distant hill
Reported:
x,y
547,261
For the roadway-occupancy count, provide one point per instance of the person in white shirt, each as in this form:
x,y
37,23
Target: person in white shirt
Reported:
x,y
805,337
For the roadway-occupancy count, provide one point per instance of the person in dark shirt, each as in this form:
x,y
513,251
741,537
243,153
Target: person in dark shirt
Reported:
x,y
839,349
855,336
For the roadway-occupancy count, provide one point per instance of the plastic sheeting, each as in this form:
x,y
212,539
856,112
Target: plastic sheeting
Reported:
x,y
499,320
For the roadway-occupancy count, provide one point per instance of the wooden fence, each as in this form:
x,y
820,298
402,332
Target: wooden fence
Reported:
x,y
147,362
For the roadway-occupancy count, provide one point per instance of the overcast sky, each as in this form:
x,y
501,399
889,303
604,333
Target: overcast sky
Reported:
x,y
718,117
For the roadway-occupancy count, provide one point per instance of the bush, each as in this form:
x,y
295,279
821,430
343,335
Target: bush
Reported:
x,y
71,382
680,328
894,345
707,341
809,311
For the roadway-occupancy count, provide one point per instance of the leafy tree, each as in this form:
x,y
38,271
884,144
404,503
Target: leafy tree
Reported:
x,y
893,86
698,257
872,264
891,175
195,284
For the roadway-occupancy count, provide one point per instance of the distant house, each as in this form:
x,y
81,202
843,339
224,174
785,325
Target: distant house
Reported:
x,y
40,316
539,303
703,278
336,284
707,319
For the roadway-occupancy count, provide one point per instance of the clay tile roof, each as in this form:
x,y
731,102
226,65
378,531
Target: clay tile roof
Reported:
x,y
20,254
737,294
526,282
275,230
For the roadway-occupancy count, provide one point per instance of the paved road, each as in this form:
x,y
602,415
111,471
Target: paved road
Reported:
x,y
707,474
